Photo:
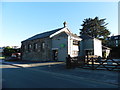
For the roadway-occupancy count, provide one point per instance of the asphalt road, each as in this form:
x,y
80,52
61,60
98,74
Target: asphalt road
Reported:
x,y
16,77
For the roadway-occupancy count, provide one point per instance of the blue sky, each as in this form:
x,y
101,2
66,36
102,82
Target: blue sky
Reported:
x,y
21,20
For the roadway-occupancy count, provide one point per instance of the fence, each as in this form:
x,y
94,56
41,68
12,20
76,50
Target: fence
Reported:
x,y
93,63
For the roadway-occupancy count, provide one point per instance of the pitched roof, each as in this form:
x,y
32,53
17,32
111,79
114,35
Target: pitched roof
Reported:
x,y
43,35
74,35
105,47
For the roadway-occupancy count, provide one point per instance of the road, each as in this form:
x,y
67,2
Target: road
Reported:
x,y
16,77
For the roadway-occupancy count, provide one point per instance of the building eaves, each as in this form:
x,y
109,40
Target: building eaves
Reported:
x,y
43,35
105,47
73,35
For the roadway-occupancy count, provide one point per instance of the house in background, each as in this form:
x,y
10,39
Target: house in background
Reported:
x,y
90,46
114,41
53,45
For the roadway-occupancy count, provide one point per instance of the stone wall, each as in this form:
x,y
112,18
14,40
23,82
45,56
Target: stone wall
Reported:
x,y
40,50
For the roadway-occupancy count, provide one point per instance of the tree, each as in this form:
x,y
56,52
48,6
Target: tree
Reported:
x,y
95,27
7,51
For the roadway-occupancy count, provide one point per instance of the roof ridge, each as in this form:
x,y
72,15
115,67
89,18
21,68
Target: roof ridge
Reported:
x,y
44,34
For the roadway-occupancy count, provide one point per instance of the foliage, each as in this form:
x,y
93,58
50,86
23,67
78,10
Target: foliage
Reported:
x,y
7,51
95,27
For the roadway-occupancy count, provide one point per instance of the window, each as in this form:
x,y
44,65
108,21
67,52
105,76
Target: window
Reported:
x,y
42,45
75,42
29,47
74,52
35,46
115,37
116,43
24,47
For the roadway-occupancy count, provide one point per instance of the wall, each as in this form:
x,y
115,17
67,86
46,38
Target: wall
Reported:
x,y
97,47
70,45
38,54
81,47
86,45
60,42
73,50
91,44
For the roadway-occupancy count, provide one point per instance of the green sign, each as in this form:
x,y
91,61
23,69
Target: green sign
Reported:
x,y
62,45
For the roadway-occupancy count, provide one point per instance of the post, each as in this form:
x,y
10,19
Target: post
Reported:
x,y
87,59
92,59
68,62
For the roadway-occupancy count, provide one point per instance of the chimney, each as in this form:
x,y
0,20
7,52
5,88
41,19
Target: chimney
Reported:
x,y
65,24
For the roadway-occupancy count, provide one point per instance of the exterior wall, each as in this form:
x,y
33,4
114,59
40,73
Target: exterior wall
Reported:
x,y
97,47
69,46
114,41
81,46
86,45
91,44
60,42
38,54
73,50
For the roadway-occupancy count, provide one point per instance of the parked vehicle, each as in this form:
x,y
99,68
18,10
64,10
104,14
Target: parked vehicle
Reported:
x,y
14,56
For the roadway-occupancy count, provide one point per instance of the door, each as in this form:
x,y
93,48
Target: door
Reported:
x,y
55,55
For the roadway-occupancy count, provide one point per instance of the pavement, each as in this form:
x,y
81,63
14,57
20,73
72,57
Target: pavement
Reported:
x,y
110,77
28,63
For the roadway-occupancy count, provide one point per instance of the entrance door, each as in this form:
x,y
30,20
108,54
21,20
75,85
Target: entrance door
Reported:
x,y
55,55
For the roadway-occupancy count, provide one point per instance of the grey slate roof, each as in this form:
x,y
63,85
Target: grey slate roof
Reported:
x,y
71,34
43,35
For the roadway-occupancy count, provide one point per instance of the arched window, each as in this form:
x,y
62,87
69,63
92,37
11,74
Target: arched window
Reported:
x,y
24,48
35,46
29,47
42,45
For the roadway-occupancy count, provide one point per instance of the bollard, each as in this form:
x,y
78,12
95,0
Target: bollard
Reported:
x,y
68,62
92,59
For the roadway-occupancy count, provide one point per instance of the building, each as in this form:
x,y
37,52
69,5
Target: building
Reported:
x,y
90,46
54,45
114,41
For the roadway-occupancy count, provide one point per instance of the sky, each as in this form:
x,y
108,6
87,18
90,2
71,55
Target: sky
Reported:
x,y
21,20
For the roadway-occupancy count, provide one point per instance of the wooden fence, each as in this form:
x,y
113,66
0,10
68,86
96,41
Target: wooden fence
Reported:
x,y
93,63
